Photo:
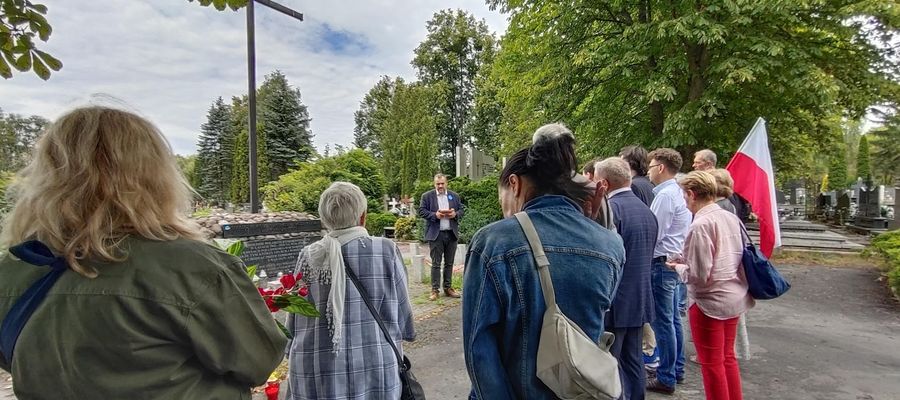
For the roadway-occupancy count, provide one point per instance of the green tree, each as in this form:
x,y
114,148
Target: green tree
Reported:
x,y
692,74
221,5
18,135
21,23
214,153
837,169
863,169
188,166
240,177
299,190
373,110
885,142
5,202
286,122
454,51
410,120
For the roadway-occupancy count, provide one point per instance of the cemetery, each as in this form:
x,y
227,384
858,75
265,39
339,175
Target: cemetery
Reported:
x,y
264,107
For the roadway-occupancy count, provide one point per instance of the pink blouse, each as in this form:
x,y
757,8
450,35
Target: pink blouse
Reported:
x,y
712,264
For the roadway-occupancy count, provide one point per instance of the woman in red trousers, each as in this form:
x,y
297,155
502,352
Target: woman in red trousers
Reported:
x,y
717,287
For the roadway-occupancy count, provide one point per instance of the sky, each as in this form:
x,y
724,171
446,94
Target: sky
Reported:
x,y
170,59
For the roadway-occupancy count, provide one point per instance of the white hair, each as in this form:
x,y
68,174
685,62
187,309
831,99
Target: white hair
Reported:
x,y
615,170
708,156
341,206
551,131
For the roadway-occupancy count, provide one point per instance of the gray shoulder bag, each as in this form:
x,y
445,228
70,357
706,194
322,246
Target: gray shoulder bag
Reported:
x,y
568,361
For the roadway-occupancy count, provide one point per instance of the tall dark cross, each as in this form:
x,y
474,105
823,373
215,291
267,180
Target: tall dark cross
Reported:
x,y
251,74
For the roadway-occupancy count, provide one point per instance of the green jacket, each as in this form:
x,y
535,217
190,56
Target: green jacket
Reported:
x,y
175,320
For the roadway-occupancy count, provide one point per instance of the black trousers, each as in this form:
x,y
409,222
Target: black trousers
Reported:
x,y
627,349
442,248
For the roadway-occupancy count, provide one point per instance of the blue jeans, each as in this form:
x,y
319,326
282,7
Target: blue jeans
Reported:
x,y
667,325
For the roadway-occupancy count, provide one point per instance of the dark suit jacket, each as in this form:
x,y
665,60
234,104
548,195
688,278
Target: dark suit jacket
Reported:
x,y
428,210
633,304
643,189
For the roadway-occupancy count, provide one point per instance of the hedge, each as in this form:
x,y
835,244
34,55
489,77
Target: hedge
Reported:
x,y
376,222
887,246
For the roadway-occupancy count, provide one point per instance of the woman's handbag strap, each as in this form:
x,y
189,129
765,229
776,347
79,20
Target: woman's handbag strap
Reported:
x,y
539,256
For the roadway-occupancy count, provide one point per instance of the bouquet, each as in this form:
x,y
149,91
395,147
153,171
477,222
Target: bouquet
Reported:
x,y
290,297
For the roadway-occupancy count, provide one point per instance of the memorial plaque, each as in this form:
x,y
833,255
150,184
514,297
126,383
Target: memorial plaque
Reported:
x,y
270,228
275,255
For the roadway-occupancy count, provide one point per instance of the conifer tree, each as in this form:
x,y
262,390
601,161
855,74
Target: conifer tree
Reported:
x,y
286,122
213,163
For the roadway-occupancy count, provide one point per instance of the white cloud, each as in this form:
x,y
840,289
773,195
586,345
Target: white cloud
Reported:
x,y
170,59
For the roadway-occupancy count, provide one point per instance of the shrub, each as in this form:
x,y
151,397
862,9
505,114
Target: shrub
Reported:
x,y
5,202
376,222
887,246
299,190
404,228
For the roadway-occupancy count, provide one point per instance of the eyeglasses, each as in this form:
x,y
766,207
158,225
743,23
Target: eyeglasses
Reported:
x,y
653,165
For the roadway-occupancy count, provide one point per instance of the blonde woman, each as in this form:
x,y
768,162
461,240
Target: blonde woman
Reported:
x,y
142,308
717,288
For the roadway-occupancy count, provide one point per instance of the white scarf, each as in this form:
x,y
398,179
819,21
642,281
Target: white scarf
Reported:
x,y
325,256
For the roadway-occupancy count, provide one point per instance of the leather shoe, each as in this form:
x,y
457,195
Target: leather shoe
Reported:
x,y
451,293
654,385
434,295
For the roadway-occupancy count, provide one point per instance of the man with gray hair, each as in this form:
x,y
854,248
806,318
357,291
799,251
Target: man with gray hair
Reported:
x,y
704,160
633,305
441,209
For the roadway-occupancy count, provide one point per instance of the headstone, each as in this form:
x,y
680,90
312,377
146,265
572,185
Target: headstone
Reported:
x,y
868,215
895,224
825,203
842,211
272,241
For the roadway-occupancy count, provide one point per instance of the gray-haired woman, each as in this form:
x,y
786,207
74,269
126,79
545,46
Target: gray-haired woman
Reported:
x,y
344,354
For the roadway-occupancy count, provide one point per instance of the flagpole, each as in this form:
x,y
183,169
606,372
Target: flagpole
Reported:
x,y
746,138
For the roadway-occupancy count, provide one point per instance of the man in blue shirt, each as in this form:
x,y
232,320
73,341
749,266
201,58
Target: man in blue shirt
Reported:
x,y
673,219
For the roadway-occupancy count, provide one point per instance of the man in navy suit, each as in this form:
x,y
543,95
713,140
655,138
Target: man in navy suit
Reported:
x,y
442,209
633,304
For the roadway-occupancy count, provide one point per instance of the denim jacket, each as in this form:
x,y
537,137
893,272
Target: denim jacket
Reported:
x,y
503,305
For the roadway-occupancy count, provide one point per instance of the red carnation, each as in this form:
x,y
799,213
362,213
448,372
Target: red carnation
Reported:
x,y
299,275
288,281
272,391
303,291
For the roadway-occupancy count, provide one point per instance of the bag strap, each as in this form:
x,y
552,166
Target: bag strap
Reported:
x,y
365,296
746,234
539,256
38,254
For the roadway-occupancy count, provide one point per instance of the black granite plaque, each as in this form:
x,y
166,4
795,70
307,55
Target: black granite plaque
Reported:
x,y
275,255
270,228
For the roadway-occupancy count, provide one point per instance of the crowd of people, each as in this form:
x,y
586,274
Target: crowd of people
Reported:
x,y
147,307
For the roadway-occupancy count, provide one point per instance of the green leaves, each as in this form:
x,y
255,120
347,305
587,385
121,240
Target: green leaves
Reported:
x,y
297,305
220,5
20,23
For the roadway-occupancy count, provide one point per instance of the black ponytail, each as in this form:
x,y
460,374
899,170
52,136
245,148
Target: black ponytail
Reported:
x,y
549,163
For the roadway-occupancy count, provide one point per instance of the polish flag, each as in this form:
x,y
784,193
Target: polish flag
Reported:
x,y
754,180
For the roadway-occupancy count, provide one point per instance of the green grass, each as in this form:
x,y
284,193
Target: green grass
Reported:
x,y
788,257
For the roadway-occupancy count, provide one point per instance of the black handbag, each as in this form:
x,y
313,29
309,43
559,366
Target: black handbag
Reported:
x,y
412,390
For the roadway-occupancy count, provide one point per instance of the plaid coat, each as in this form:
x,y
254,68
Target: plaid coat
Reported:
x,y
365,366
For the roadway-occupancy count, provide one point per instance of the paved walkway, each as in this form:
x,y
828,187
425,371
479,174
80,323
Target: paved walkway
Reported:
x,y
835,335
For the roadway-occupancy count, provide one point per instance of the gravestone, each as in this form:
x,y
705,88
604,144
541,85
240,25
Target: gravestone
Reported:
x,y
868,215
842,211
825,203
272,241
895,222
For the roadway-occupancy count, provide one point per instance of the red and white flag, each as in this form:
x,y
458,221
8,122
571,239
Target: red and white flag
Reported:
x,y
754,180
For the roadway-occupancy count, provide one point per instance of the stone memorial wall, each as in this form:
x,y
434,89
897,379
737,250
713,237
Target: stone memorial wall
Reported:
x,y
272,241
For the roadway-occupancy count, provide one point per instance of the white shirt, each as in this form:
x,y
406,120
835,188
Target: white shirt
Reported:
x,y
444,204
673,218
617,191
